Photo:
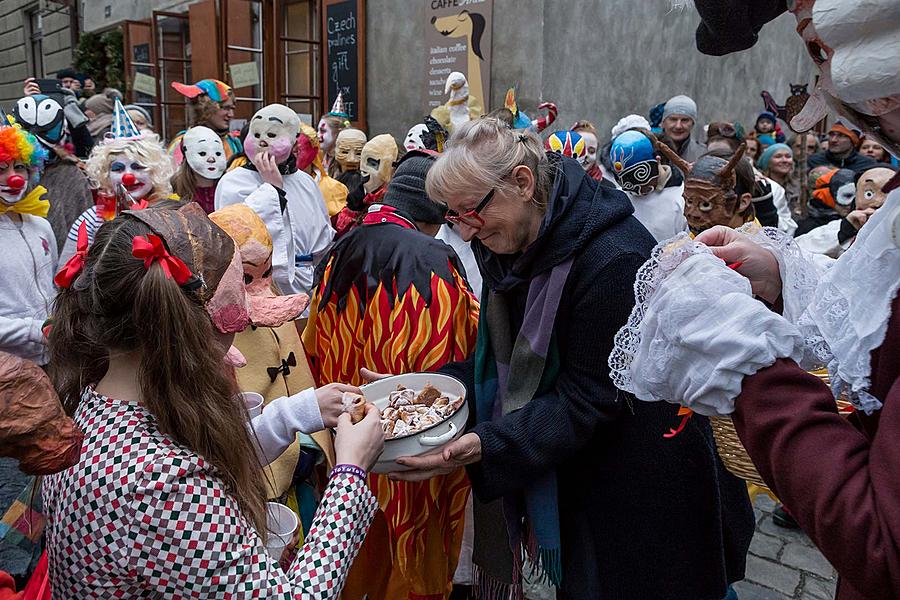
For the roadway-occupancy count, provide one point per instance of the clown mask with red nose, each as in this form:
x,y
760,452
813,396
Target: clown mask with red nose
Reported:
x,y
273,129
13,181
131,174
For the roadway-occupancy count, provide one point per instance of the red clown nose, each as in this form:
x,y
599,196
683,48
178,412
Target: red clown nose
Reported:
x,y
128,179
15,182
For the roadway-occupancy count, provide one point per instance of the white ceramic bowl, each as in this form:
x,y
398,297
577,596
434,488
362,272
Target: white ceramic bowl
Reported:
x,y
430,439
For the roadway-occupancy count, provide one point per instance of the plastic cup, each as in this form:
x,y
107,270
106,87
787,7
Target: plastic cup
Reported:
x,y
281,523
106,206
253,402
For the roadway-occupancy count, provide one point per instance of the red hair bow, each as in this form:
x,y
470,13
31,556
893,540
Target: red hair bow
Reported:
x,y
151,249
73,267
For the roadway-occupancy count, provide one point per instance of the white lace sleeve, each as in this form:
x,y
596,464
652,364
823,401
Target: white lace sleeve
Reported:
x,y
848,316
695,331
800,276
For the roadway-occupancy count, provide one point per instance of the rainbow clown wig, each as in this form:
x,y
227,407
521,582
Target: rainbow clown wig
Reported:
x,y
17,145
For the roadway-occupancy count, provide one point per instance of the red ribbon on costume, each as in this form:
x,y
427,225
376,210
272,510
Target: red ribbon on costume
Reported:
x,y
74,265
685,414
151,249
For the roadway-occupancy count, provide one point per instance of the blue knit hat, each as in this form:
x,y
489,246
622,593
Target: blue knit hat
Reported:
x,y
763,161
769,115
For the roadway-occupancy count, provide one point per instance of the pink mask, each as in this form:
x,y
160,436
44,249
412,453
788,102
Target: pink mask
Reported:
x,y
255,248
273,129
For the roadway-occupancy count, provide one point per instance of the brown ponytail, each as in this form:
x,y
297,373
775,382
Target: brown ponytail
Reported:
x,y
115,304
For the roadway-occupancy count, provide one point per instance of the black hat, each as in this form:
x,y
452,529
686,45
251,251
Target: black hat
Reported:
x,y
406,190
67,72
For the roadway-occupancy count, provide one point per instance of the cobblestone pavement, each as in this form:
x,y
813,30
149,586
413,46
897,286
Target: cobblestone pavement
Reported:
x,y
782,564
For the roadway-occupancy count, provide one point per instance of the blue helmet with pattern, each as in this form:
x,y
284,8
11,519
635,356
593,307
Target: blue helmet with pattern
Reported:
x,y
42,116
634,162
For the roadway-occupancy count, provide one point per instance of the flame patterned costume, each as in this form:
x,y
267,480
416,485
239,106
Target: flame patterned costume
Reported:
x,y
394,300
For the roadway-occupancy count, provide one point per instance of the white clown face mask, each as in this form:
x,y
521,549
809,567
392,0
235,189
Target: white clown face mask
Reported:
x,y
273,129
131,174
204,152
325,133
590,150
414,139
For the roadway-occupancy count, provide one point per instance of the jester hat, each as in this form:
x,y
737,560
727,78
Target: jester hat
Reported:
x,y
217,90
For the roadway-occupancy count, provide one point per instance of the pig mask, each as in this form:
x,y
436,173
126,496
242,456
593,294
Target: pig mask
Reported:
x,y
273,129
254,243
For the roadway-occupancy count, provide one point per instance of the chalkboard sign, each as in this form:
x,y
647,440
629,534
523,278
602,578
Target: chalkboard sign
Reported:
x,y
343,24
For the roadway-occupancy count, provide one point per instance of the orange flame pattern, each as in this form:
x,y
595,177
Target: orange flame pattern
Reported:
x,y
424,520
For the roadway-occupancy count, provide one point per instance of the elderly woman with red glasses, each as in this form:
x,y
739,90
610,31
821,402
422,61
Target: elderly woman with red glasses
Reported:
x,y
605,502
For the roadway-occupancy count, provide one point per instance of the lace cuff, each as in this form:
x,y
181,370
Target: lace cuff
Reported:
x,y
800,275
695,331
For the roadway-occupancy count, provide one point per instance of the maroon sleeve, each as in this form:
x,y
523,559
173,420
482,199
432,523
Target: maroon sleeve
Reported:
x,y
843,488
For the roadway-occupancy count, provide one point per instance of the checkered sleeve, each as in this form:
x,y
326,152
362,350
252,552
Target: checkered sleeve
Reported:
x,y
189,538
335,537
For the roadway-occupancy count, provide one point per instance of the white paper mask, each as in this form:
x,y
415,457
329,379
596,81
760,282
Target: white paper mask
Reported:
x,y
413,139
590,150
846,194
130,173
377,162
855,44
273,129
204,152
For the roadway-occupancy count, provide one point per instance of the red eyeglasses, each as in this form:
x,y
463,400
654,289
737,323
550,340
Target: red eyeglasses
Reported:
x,y
472,218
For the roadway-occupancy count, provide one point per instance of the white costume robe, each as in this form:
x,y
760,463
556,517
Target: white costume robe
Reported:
x,y
661,212
301,234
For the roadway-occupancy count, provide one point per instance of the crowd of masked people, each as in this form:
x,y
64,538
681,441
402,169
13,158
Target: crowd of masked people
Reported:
x,y
147,283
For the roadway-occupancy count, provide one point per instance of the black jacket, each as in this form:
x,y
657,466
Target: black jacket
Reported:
x,y
855,162
641,516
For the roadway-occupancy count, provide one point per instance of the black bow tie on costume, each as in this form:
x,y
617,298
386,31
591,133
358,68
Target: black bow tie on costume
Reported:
x,y
284,369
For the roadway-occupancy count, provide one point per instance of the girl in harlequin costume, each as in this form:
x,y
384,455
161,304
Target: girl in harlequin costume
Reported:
x,y
204,164
29,255
144,319
210,104
129,165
